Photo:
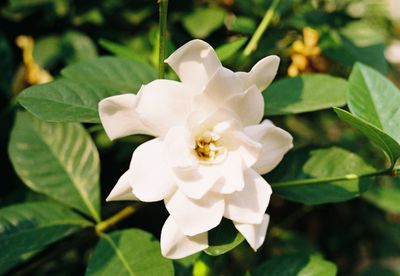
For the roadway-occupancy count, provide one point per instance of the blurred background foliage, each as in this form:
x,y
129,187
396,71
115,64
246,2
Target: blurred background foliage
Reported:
x,y
361,236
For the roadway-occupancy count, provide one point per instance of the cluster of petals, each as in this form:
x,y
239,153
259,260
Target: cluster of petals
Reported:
x,y
209,148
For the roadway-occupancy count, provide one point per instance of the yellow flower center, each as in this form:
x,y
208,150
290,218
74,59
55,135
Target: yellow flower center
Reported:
x,y
207,148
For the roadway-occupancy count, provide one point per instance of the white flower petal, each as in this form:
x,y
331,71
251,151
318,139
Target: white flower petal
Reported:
x,y
275,144
123,189
262,74
248,106
241,144
254,233
176,245
232,171
179,148
223,85
195,63
152,179
119,116
250,204
195,216
164,104
195,182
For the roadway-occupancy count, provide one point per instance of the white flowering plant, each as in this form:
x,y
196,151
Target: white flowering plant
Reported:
x,y
215,163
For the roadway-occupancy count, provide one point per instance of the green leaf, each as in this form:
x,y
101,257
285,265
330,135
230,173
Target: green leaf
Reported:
x,y
203,21
386,197
119,74
375,99
387,144
305,93
27,228
310,176
223,238
345,52
297,264
6,65
363,33
245,25
58,160
128,252
121,50
65,101
75,98
227,50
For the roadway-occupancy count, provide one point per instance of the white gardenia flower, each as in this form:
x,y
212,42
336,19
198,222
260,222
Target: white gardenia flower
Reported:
x,y
209,150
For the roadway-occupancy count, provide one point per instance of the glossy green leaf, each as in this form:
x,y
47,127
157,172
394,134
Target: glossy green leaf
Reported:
x,y
65,101
227,50
119,74
297,264
203,21
128,252
223,238
305,93
309,176
75,98
375,99
27,228
388,145
58,160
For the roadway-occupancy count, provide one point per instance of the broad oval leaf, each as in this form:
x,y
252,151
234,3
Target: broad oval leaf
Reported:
x,y
223,238
58,160
374,99
65,101
27,228
307,176
296,264
386,143
128,252
305,93
119,74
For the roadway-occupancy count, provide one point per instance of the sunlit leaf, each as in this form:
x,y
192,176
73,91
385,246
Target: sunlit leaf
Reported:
x,y
58,160
307,176
375,99
65,101
305,93
119,74
387,144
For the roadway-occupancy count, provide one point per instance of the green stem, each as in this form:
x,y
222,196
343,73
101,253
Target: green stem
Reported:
x,y
110,222
163,8
286,184
252,46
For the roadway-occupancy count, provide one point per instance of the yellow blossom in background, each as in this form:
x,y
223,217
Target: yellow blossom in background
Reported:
x,y
306,55
30,73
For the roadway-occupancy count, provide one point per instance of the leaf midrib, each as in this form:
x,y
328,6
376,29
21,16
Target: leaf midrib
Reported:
x,y
85,200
